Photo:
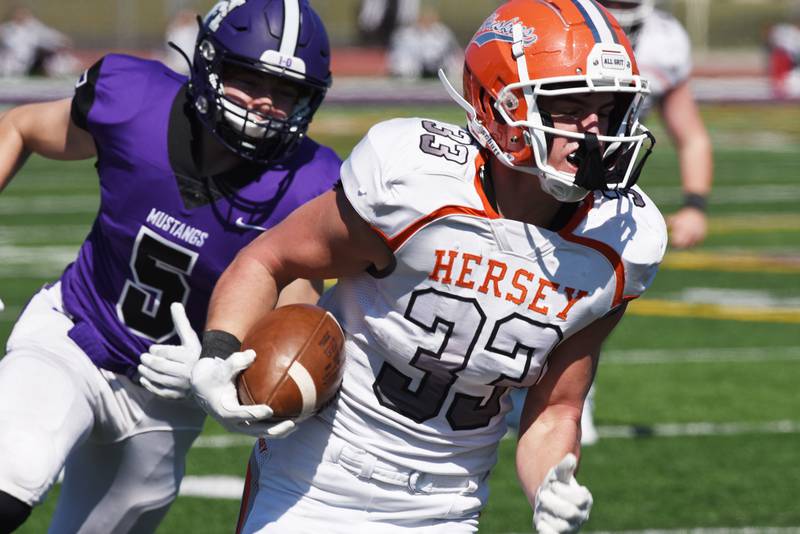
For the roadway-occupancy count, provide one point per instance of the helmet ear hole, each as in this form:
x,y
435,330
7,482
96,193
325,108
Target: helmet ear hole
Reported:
x,y
487,104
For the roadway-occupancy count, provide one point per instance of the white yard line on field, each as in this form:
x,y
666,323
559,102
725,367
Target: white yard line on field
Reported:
x,y
27,235
223,441
662,430
44,262
27,204
698,355
49,205
734,194
212,487
673,430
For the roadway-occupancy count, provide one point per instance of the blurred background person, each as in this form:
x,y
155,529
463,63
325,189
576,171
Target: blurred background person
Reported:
x,y
419,50
30,47
783,47
378,19
182,32
663,52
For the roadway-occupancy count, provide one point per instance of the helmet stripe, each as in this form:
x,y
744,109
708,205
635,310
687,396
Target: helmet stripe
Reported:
x,y
291,27
614,33
597,21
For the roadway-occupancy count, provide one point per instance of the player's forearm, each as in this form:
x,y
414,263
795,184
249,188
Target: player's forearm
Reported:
x,y
13,153
243,294
552,435
697,165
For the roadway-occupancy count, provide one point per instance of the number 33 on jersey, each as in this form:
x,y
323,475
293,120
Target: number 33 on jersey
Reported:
x,y
475,303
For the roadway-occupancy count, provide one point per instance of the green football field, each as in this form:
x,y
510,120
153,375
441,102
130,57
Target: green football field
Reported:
x,y
698,402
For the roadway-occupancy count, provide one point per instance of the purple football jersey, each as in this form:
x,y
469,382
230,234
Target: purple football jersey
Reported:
x,y
147,248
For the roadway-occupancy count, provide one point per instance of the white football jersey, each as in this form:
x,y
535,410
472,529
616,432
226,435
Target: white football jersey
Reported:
x,y
474,303
664,54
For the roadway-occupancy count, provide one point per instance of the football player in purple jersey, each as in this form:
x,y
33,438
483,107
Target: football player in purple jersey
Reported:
x,y
191,170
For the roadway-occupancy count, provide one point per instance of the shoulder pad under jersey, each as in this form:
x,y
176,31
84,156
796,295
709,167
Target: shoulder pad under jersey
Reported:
x,y
116,88
406,169
629,230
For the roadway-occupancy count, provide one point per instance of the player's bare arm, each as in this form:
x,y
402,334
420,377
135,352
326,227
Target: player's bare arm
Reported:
x,y
301,291
684,124
550,421
45,129
324,238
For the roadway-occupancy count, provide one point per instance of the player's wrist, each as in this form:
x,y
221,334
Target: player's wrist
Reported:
x,y
219,344
695,201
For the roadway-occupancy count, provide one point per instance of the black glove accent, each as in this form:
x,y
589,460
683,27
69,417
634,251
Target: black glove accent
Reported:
x,y
219,344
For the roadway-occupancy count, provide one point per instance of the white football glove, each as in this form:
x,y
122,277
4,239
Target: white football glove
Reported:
x,y
166,370
214,387
562,505
2,306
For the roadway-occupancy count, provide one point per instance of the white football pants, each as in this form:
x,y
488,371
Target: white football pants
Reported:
x,y
122,448
314,482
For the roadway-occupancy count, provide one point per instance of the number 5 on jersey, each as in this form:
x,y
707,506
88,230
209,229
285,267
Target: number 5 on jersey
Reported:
x,y
159,269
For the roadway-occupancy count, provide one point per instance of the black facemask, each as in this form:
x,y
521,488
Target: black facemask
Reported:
x,y
597,173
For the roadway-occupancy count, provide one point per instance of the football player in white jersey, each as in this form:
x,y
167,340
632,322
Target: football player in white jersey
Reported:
x,y
470,261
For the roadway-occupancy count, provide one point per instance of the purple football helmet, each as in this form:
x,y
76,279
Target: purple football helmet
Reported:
x,y
281,38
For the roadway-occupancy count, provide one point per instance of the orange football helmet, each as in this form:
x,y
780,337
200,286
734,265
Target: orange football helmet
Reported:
x,y
532,48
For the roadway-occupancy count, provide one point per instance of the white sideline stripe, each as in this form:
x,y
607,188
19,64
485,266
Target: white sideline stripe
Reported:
x,y
212,487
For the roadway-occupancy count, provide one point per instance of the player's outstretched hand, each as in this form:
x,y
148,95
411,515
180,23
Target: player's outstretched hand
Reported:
x,y
562,505
214,387
166,369
2,306
688,227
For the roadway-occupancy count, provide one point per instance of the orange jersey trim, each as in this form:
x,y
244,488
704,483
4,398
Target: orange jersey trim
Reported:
x,y
396,241
610,254
480,161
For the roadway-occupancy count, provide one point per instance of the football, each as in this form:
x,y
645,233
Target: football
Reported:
x,y
299,361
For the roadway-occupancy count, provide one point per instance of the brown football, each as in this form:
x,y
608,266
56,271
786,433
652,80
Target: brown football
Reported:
x,y
299,361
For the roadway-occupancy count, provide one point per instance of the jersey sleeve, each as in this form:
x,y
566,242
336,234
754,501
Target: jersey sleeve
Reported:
x,y
84,95
114,91
391,182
